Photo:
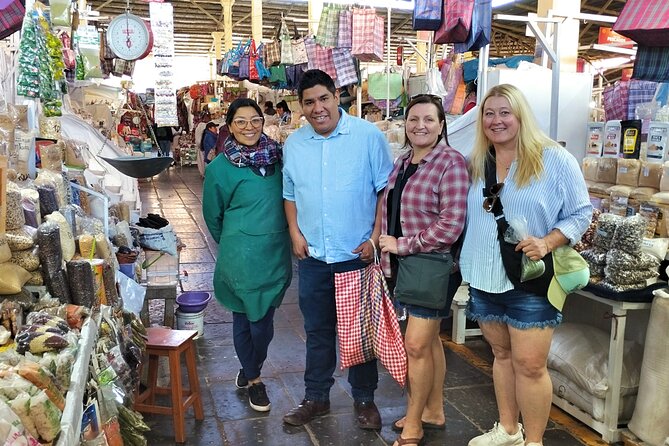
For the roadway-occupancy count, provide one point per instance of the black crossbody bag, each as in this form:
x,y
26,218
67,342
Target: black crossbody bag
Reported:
x,y
426,279
511,258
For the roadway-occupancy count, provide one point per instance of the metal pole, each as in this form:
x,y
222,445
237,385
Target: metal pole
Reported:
x,y
555,91
388,65
482,87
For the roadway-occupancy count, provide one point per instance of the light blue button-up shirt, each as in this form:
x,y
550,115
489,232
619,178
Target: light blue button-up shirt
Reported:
x,y
557,200
334,182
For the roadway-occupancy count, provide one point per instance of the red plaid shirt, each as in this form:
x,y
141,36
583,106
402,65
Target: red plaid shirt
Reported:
x,y
434,203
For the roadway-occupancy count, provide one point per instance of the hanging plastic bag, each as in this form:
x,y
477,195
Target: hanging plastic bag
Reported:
x,y
530,269
434,83
132,293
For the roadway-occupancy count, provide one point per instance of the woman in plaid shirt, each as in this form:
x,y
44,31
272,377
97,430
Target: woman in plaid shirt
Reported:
x,y
432,181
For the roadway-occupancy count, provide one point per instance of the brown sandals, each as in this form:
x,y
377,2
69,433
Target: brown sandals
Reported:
x,y
404,441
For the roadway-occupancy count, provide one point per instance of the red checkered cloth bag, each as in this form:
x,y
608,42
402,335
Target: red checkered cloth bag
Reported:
x,y
11,17
368,35
367,326
427,15
344,66
616,99
456,23
345,34
312,56
645,21
325,61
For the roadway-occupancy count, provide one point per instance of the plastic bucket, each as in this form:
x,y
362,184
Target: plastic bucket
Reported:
x,y
128,269
191,321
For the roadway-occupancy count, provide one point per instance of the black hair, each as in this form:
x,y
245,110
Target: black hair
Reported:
x,y
428,99
237,104
269,104
312,78
283,105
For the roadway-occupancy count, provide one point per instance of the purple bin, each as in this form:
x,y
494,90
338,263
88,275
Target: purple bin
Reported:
x,y
193,301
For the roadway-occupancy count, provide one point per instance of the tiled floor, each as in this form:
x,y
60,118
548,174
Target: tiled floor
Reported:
x,y
468,391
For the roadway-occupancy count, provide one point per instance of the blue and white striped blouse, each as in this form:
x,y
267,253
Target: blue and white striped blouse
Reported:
x,y
558,200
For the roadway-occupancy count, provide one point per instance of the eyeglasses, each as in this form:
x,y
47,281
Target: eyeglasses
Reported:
x,y
243,123
492,196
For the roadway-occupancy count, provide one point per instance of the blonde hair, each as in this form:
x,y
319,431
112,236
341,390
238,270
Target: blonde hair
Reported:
x,y
530,141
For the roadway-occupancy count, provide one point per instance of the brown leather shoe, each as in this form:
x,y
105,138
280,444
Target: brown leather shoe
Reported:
x,y
305,412
367,415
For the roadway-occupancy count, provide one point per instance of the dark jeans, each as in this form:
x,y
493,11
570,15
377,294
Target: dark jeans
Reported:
x,y
251,341
317,302
164,147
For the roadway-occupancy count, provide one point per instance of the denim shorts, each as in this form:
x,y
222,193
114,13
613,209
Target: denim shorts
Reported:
x,y
517,308
426,313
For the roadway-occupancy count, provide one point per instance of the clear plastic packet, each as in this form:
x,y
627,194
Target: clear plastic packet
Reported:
x,y
531,269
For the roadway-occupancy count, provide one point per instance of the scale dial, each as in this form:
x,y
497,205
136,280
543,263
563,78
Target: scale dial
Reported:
x,y
129,37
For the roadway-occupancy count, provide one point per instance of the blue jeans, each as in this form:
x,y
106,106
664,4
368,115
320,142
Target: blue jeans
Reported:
x,y
252,340
317,302
517,308
164,147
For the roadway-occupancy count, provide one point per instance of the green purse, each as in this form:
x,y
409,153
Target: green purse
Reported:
x,y
377,85
422,279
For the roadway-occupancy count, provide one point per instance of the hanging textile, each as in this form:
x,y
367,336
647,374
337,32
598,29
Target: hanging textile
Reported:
x,y
427,15
325,61
328,26
368,35
481,28
272,53
616,98
344,67
652,63
345,34
11,17
310,47
377,85
456,23
162,27
299,51
286,46
645,21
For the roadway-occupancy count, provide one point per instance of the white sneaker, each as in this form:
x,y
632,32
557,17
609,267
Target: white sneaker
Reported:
x,y
497,436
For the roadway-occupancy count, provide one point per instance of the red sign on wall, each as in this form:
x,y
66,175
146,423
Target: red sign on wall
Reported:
x,y
607,36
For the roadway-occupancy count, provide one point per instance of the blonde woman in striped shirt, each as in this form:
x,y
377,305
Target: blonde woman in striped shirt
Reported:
x,y
539,180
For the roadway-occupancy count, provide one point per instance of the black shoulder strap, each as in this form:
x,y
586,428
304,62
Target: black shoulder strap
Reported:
x,y
490,180
497,209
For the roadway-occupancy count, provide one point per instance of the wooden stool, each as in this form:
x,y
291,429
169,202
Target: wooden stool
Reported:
x,y
171,343
460,330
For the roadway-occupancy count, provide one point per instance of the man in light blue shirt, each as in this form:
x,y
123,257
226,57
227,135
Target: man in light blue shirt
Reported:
x,y
334,172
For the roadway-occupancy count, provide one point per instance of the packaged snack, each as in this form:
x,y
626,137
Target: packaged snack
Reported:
x,y
595,139
650,174
612,132
590,168
607,170
631,138
658,134
628,172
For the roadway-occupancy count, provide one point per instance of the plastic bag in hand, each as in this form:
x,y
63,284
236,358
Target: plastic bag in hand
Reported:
x,y
517,231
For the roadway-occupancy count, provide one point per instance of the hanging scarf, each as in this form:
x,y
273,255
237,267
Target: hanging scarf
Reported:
x,y
265,153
